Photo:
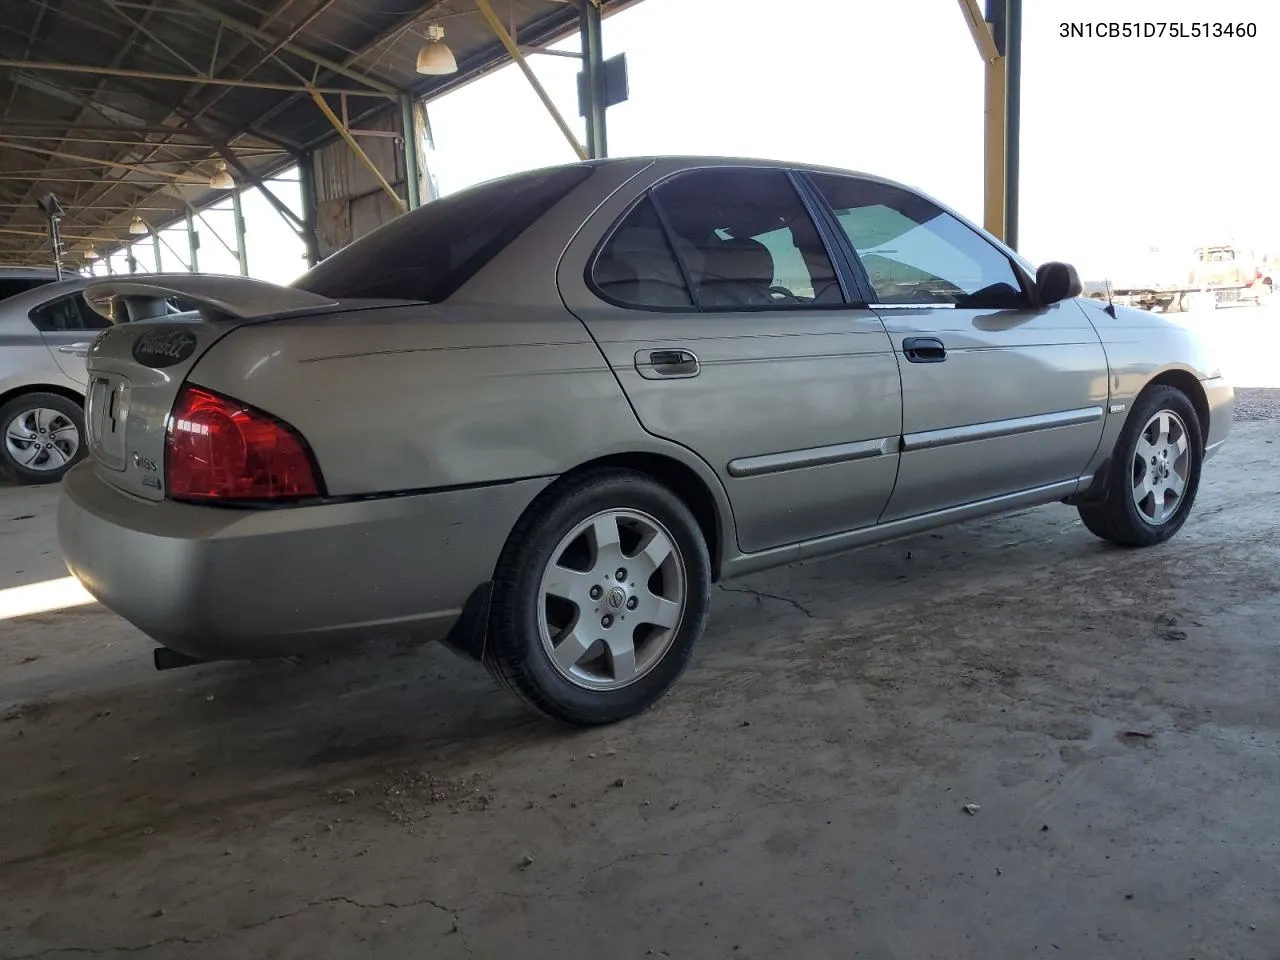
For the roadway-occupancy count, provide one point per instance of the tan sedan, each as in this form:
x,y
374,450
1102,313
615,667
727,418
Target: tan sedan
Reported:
x,y
539,418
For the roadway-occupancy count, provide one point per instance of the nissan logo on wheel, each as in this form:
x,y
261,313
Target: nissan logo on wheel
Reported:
x,y
164,348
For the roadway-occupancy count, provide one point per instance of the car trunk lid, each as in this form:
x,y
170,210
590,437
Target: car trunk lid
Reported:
x,y
138,366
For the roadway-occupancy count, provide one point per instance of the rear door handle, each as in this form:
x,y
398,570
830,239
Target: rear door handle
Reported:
x,y
75,349
924,350
667,364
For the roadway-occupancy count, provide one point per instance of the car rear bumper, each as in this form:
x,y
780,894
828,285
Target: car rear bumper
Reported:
x,y
221,583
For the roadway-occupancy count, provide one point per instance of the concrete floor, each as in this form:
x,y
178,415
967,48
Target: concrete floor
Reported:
x,y
800,794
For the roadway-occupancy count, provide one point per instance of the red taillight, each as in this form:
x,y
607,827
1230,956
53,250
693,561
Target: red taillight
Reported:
x,y
217,448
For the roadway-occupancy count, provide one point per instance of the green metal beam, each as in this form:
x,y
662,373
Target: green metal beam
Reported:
x,y
412,156
238,215
193,242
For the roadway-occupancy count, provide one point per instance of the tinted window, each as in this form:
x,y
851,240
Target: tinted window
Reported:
x,y
747,239
69,313
915,252
637,266
429,253
12,286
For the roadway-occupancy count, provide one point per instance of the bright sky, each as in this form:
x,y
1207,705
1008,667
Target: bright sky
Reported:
x,y
1127,144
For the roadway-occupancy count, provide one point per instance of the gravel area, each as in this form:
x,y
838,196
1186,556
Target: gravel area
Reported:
x,y
1257,403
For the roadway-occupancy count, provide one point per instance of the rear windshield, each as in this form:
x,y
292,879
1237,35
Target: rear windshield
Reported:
x,y
12,286
429,253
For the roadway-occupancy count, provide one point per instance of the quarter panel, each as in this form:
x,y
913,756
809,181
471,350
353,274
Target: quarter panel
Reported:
x,y
419,397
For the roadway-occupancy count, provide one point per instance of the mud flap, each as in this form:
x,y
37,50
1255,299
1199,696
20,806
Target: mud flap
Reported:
x,y
468,634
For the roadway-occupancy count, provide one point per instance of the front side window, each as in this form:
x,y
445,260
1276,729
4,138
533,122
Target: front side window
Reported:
x,y
747,240
916,253
67,314
427,254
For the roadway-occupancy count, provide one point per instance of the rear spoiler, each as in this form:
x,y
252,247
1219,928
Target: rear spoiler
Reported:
x,y
122,299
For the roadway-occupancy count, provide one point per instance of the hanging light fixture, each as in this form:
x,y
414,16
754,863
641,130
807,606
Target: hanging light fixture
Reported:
x,y
435,57
221,179
91,252
137,228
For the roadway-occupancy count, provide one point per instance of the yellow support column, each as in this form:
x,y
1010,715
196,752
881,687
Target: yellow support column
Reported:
x,y
995,118
994,153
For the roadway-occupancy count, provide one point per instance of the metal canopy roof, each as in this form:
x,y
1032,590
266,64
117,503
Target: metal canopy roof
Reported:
x,y
122,107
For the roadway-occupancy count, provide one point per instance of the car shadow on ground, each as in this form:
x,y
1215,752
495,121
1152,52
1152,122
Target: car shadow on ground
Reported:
x,y
111,748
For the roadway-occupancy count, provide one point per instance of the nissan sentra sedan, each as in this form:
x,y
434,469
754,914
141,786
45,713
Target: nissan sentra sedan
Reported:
x,y
539,418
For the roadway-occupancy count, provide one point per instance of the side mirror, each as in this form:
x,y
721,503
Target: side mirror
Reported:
x,y
1056,282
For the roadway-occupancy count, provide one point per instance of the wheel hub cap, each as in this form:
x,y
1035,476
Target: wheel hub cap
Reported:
x,y
611,600
41,439
1161,467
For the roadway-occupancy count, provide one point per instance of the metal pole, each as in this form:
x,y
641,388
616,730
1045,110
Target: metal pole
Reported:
x,y
44,65
593,71
412,164
193,242
1013,108
238,215
358,150
99,162
155,245
491,18
55,241
307,191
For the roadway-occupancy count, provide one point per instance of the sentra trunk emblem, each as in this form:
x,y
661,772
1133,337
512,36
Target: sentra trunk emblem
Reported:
x,y
164,348
143,463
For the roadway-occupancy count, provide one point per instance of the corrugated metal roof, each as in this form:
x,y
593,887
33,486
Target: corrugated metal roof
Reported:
x,y
110,143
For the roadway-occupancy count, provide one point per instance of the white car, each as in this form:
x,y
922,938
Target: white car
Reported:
x,y
45,335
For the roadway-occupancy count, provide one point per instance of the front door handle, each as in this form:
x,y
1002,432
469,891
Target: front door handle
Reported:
x,y
75,349
667,364
924,350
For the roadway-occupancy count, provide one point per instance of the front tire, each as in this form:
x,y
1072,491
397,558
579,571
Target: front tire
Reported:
x,y
1155,472
599,598
41,437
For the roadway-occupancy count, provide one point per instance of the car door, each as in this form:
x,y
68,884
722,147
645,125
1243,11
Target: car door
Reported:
x,y
68,326
999,396
714,299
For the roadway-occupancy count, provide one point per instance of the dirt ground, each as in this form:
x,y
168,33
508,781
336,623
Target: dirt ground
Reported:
x,y
1113,715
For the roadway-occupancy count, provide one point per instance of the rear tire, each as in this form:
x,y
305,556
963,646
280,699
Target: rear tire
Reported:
x,y
599,598
1154,472
41,437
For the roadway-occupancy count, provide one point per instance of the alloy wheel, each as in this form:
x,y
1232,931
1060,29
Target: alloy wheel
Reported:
x,y
1161,465
611,599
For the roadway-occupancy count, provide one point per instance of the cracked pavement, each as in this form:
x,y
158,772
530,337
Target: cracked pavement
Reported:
x,y
799,794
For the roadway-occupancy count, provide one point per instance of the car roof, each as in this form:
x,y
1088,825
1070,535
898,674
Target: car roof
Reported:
x,y
41,273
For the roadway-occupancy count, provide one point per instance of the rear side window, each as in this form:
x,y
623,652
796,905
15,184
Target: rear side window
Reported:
x,y
743,237
747,239
429,253
637,267
69,313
